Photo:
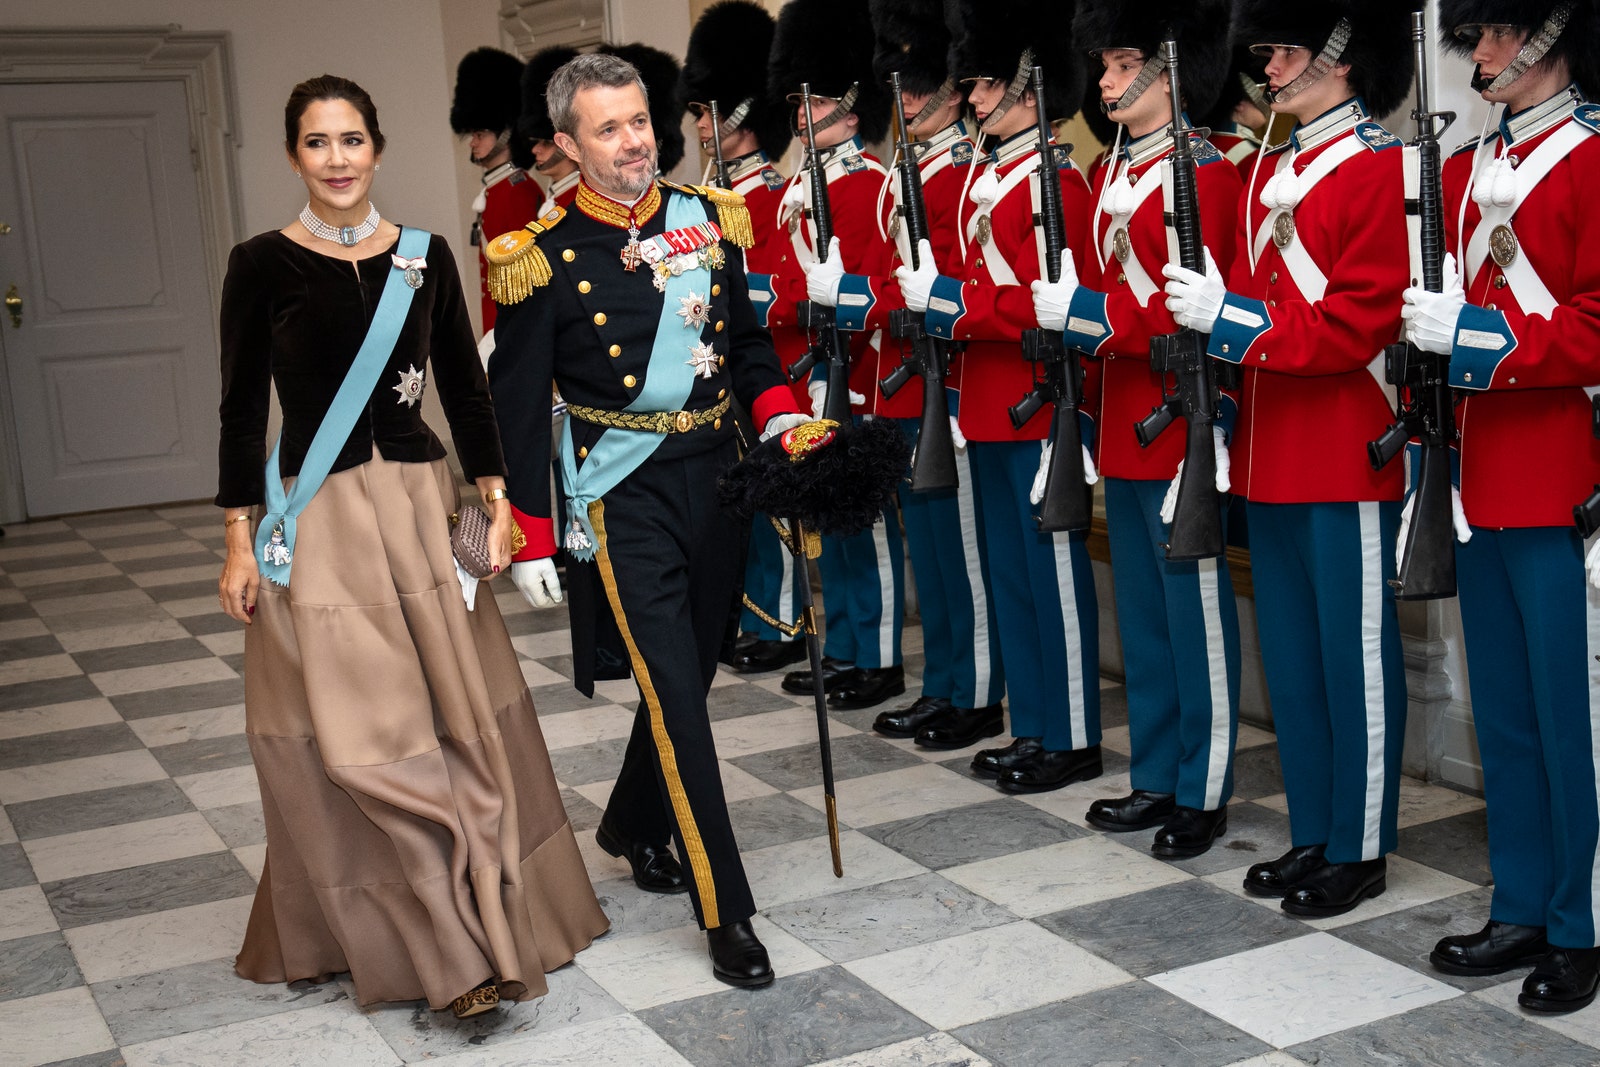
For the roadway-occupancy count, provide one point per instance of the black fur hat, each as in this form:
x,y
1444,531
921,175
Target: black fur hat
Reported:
x,y
836,484
660,74
1199,26
535,124
1245,64
1579,43
1380,53
486,95
911,39
988,37
828,43
726,61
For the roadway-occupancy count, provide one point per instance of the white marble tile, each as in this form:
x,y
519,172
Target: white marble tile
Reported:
x,y
770,730
218,789
900,794
227,643
8,833
1301,989
113,617
1116,740
112,848
1253,737
1064,875
26,722
24,912
50,1027
162,676
70,573
1581,1026
313,1037
253,858
929,1050
193,572
13,629
586,726
1072,802
1274,1058
1108,682
537,674
1409,884
122,553
129,599
800,870
672,965
65,548
160,940
620,1041
977,974
128,529
1421,802
601,867
549,643
188,609
189,725
624,691
741,785
596,793
38,668
76,775
1277,802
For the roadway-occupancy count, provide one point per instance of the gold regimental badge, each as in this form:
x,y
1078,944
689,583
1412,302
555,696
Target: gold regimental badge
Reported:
x,y
985,229
1121,246
517,266
1503,245
1283,229
807,438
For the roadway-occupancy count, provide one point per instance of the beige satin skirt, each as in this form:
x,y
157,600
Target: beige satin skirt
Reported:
x,y
415,832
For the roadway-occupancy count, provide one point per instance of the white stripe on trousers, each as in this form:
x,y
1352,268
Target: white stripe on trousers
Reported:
x,y
1372,672
1067,591
1217,667
786,605
982,679
880,549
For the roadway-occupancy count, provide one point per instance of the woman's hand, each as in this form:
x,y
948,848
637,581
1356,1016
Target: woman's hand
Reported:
x,y
500,523
241,579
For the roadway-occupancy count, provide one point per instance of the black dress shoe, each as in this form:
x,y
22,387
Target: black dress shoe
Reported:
x,y
1139,810
654,868
1190,831
1495,949
1051,770
960,727
993,762
1335,888
907,721
1565,980
1272,878
832,671
737,956
761,656
867,687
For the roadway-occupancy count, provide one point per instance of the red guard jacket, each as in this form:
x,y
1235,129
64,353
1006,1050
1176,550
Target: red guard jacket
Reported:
x,y
510,199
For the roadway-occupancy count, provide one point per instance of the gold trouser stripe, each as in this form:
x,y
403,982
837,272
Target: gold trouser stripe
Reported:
x,y
699,862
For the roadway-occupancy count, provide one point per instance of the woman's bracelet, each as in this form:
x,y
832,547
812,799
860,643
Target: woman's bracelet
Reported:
x,y
494,494
237,518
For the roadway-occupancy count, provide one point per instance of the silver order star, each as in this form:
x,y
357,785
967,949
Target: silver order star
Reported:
x,y
695,312
410,387
703,358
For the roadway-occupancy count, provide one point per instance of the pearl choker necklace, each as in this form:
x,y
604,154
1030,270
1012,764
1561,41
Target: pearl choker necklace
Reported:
x,y
340,235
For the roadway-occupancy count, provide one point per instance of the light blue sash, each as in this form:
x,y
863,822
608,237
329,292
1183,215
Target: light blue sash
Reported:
x,y
668,380
275,535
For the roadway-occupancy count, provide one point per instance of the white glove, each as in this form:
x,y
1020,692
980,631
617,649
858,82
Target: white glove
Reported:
x,y
1591,564
822,279
1169,503
915,285
537,580
1430,318
1052,299
1046,450
819,397
1195,300
782,424
486,347
957,438
1458,518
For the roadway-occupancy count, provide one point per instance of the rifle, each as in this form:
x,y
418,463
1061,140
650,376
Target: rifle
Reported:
x,y
933,466
1057,374
1197,523
724,176
1426,409
821,322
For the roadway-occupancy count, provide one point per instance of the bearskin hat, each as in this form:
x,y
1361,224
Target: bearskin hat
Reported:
x,y
1199,26
828,43
1380,54
912,40
835,482
486,91
534,123
988,37
1245,64
727,62
1579,43
659,72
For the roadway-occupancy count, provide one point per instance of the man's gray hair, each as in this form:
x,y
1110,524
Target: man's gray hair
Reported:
x,y
586,72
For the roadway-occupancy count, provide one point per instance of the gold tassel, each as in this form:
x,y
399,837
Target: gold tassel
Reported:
x,y
517,266
735,222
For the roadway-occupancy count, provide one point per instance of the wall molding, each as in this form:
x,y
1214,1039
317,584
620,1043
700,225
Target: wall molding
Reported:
x,y
533,25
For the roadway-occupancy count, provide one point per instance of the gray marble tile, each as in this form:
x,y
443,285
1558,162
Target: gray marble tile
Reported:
x,y
111,583
15,869
733,701
76,554
1257,773
96,808
1463,1032
209,623
583,764
799,1019
1171,926
46,691
863,718
29,648
854,756
179,698
1111,761
582,813
974,832
97,898
197,997
1254,834
888,916
632,911
192,556
203,754
556,699
42,963
201,587
1406,937
68,744
89,523
234,662
774,820
8,612
142,655
109,1058
1458,845
1133,1025
144,537
1113,707
238,824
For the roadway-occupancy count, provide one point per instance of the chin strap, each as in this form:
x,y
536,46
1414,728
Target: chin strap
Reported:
x,y
736,117
1153,66
1537,47
939,98
1326,60
1014,91
847,103
499,143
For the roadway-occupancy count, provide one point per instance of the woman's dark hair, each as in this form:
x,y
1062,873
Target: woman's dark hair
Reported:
x,y
328,87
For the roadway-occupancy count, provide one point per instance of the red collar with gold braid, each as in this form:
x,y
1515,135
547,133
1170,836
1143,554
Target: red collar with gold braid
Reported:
x,y
602,208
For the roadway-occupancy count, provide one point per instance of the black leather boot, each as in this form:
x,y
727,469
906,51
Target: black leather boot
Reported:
x,y
960,727
737,956
1272,878
655,870
1565,980
1139,810
1051,770
1495,949
867,687
1335,888
1190,832
832,671
993,762
907,721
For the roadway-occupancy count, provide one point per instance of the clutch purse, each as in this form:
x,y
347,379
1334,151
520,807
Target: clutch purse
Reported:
x,y
469,540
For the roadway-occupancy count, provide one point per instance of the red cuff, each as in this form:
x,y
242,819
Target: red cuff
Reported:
x,y
779,400
540,536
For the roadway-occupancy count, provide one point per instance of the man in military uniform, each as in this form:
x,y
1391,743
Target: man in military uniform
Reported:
x,y
1310,303
1520,325
537,135
635,304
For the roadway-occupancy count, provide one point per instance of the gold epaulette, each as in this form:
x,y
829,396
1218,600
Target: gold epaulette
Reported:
x,y
516,264
732,216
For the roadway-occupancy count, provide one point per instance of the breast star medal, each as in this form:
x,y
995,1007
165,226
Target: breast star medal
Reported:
x,y
703,358
1283,229
695,312
410,387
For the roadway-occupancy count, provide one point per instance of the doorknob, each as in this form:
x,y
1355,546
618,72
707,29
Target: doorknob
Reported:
x,y
14,306
5,228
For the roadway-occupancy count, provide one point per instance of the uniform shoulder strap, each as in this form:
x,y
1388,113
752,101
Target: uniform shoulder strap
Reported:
x,y
517,266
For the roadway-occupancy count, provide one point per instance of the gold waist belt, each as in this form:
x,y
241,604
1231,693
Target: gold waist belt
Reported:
x,y
651,421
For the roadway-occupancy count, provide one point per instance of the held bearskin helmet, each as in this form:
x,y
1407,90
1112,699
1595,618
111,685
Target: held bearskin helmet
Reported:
x,y
835,479
1199,26
659,72
1578,41
988,38
535,122
486,92
913,41
727,62
828,43
1379,50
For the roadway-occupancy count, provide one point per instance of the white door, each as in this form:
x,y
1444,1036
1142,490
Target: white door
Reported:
x,y
113,372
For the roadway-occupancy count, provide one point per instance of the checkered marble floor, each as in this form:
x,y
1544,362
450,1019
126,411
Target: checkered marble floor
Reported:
x,y
970,927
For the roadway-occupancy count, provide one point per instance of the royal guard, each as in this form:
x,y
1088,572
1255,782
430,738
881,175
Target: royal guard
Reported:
x,y
1241,108
828,45
537,135
1310,302
1178,621
484,111
1520,322
1042,583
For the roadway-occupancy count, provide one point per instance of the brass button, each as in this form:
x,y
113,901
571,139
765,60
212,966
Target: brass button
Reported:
x,y
721,393
683,421
1274,279
584,287
1122,279
1263,357
1272,303
599,318
722,361
716,290
630,381
615,350
716,424
1499,281
980,261
1493,308
1512,381
1467,377
720,325
583,452
569,255
1225,349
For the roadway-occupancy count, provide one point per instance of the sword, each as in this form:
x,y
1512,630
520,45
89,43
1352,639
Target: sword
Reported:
x,y
808,617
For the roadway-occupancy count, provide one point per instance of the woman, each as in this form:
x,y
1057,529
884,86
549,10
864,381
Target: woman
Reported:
x,y
415,834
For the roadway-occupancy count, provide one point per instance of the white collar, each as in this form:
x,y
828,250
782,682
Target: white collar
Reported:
x,y
1531,122
746,165
1329,125
563,183
942,141
499,174
1015,147
1151,146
